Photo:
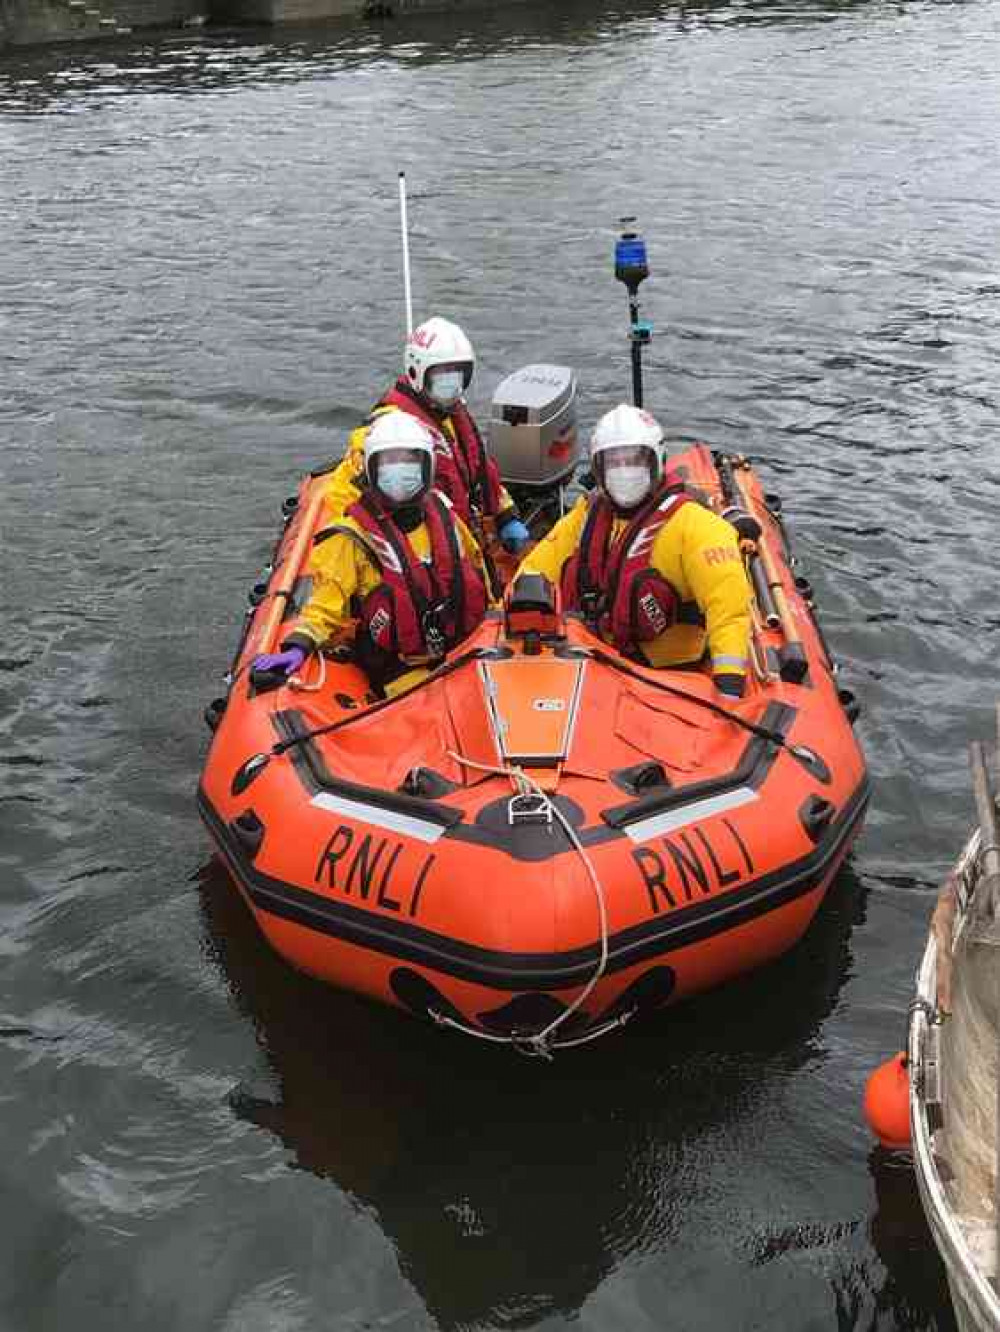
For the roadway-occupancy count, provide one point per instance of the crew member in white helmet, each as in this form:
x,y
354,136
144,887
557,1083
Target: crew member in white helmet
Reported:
x,y
438,364
399,575
656,573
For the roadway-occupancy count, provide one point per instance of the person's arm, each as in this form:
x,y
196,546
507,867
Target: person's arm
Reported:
x,y
511,532
506,508
552,552
341,569
714,571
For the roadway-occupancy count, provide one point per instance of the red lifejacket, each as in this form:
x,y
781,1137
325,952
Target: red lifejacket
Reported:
x,y
466,473
611,581
419,610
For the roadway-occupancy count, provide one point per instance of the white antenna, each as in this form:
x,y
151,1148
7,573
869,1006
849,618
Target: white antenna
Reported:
x,y
406,252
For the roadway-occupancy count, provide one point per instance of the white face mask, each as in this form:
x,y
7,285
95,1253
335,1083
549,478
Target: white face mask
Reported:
x,y
445,386
400,481
627,486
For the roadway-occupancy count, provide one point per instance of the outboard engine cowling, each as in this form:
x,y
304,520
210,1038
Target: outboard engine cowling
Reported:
x,y
533,433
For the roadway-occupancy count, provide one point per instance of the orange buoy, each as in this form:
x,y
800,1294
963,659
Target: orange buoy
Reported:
x,y
887,1102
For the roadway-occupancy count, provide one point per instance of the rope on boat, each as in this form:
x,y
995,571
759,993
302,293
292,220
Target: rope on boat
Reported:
x,y
540,1043
758,653
297,682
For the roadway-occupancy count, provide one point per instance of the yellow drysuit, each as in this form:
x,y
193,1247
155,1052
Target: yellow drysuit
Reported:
x,y
697,552
344,566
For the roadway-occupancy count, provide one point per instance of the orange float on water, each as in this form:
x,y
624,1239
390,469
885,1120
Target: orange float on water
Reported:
x,y
659,839
887,1103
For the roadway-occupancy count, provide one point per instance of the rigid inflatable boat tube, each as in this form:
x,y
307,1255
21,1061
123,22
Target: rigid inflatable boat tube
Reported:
x,y
407,941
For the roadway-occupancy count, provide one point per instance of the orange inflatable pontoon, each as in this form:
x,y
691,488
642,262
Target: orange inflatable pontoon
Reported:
x,y
545,838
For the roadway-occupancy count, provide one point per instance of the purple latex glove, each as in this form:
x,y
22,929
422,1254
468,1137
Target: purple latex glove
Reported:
x,y
288,662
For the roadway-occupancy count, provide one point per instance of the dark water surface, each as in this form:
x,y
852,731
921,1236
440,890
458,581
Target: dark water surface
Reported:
x,y
199,292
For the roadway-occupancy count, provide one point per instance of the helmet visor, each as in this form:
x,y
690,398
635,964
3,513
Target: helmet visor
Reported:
x,y
401,474
627,473
464,368
446,383
625,455
400,455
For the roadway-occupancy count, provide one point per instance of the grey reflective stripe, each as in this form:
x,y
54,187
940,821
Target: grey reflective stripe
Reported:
x,y
378,817
658,824
733,663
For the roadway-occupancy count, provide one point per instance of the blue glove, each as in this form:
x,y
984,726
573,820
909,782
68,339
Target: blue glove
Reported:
x,y
514,536
286,662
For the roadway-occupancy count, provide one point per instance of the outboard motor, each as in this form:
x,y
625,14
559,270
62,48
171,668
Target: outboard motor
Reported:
x,y
533,433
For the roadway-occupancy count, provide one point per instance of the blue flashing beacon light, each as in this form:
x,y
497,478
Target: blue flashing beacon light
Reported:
x,y
631,264
632,267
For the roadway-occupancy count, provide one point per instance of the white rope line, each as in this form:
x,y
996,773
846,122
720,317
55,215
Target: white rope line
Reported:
x,y
443,1020
525,784
545,1049
297,682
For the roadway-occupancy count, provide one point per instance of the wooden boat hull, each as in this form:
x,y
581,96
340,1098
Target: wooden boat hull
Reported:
x,y
935,1069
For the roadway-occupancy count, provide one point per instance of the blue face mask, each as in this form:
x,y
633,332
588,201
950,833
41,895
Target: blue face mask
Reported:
x,y
445,386
400,481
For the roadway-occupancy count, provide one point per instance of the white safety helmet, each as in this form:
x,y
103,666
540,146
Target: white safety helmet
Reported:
x,y
400,446
627,454
438,344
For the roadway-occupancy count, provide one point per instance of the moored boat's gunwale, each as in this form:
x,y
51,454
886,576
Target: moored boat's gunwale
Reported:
x,y
977,1303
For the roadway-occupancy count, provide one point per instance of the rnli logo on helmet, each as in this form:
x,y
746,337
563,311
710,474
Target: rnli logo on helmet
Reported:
x,y
548,704
422,337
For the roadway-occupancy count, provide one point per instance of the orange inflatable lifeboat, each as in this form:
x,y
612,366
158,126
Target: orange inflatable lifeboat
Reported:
x,y
544,839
